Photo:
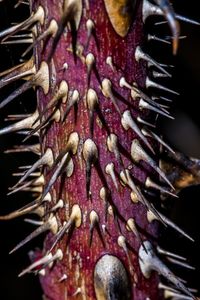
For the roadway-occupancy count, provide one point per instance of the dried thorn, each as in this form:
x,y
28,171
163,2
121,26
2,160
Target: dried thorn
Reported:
x,y
179,263
158,75
39,262
34,174
16,117
109,169
26,123
60,233
25,148
150,262
57,256
50,31
26,132
90,29
135,91
128,122
71,15
109,62
60,170
38,16
108,93
187,20
35,182
92,103
157,105
152,84
22,89
18,41
63,278
154,98
20,212
151,184
169,289
54,116
45,261
57,206
139,154
90,155
169,14
104,195
151,217
126,179
123,244
181,18
112,143
51,224
33,189
90,61
33,222
71,147
137,195
155,38
22,72
132,226
152,134
74,98
139,54
144,122
75,220
182,37
46,159
177,295
170,254
23,67
144,105
94,220
19,2
61,94
22,35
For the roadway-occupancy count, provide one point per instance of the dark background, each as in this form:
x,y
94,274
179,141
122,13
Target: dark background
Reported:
x,y
183,133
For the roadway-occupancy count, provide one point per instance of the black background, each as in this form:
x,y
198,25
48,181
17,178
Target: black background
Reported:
x,y
183,133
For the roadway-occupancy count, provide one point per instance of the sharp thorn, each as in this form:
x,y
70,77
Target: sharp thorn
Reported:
x,y
152,134
139,154
50,224
108,93
144,105
152,84
168,222
128,122
149,262
22,89
139,54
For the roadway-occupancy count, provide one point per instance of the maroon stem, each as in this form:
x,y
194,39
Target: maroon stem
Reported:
x,y
80,258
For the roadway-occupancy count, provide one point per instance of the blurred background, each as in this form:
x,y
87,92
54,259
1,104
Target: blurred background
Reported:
x,y
183,133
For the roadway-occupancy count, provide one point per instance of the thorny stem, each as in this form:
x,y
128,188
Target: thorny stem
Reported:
x,y
92,81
